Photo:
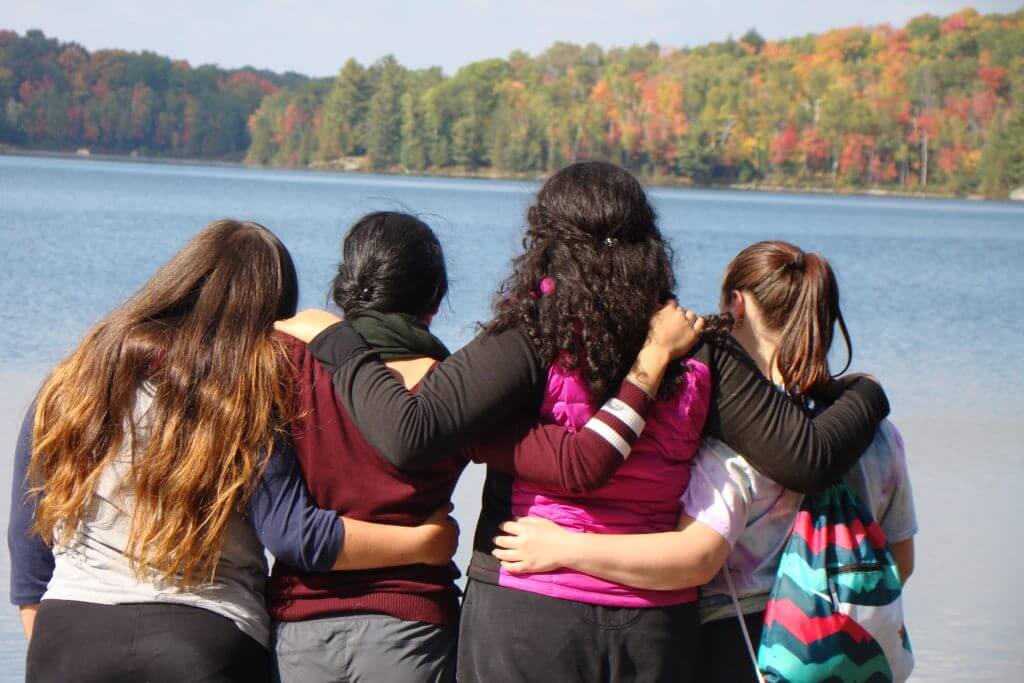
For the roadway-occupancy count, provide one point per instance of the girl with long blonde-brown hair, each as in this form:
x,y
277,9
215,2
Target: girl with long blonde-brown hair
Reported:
x,y
159,468
197,336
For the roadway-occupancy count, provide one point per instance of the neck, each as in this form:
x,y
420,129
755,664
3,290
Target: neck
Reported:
x,y
397,336
761,345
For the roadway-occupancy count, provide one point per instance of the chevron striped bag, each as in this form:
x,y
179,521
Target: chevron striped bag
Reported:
x,y
835,612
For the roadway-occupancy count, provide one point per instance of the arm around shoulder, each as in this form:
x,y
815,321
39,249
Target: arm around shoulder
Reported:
x,y
552,456
777,436
493,377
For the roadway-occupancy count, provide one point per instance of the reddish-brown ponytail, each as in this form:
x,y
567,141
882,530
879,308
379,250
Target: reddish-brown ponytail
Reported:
x,y
799,298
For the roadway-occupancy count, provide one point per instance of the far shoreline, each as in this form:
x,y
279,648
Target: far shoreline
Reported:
x,y
653,182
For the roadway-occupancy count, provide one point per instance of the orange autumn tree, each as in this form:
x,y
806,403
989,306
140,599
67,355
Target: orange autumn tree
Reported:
x,y
931,106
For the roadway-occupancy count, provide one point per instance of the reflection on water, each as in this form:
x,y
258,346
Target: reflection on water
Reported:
x,y
931,290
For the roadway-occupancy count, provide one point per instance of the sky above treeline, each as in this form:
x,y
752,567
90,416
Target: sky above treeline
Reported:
x,y
315,37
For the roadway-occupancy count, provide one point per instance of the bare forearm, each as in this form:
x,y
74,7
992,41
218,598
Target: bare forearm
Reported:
x,y
903,552
649,368
28,618
370,546
659,561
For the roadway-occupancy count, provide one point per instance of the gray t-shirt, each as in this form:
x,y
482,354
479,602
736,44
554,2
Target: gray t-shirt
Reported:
x,y
755,514
93,566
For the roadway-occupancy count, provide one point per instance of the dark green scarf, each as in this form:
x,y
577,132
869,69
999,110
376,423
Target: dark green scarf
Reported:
x,y
397,335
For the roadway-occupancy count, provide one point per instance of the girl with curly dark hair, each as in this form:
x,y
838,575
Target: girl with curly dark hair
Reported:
x,y
594,269
568,324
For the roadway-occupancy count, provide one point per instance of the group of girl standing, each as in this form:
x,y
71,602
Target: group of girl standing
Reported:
x,y
184,436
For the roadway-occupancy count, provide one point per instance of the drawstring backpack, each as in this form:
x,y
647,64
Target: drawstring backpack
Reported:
x,y
835,612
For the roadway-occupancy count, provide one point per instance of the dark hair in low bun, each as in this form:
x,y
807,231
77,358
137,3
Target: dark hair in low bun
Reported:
x,y
392,262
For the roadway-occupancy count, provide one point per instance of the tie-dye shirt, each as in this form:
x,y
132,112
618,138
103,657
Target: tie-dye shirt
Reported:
x,y
755,514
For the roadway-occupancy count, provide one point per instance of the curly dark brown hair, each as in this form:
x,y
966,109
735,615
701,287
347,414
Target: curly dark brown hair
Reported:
x,y
594,270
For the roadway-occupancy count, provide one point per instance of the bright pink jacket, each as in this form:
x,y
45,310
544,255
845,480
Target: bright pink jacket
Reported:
x,y
642,497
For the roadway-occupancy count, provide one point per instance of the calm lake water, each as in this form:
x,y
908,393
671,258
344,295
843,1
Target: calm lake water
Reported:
x,y
932,291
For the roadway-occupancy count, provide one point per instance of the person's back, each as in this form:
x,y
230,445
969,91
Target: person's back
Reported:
x,y
642,496
145,448
590,229
394,623
781,307
95,564
785,303
346,474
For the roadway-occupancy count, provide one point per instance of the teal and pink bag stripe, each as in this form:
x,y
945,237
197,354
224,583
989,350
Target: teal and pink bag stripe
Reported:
x,y
835,611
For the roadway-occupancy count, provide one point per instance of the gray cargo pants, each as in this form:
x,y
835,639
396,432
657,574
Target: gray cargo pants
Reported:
x,y
364,648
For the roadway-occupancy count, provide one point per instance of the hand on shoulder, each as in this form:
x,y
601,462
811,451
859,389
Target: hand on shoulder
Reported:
x,y
307,324
674,329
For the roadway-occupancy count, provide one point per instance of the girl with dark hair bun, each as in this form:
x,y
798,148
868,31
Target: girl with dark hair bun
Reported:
x,y
784,304
398,623
593,270
391,263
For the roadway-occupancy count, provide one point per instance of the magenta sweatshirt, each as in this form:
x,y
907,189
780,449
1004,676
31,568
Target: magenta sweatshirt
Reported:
x,y
642,497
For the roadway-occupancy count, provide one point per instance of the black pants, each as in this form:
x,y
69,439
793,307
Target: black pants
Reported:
x,y
509,635
724,657
84,642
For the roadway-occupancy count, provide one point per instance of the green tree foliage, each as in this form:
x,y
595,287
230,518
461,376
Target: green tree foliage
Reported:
x,y
344,113
932,106
1002,161
914,108
384,114
58,95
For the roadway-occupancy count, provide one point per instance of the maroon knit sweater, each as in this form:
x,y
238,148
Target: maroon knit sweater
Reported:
x,y
345,473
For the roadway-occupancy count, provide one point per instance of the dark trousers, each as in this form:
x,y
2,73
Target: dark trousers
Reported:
x,y
509,635
724,657
86,642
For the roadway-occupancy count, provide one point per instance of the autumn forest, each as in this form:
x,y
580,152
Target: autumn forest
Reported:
x,y
935,106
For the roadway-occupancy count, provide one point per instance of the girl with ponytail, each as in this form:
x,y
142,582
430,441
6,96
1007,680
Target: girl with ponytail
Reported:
x,y
796,303
782,305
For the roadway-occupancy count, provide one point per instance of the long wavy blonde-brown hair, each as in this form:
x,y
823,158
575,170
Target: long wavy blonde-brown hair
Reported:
x,y
200,332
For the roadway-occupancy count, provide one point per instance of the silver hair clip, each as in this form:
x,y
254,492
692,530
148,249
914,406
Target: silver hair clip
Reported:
x,y
610,241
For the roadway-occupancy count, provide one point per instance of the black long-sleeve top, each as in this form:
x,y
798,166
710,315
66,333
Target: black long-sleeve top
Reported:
x,y
499,377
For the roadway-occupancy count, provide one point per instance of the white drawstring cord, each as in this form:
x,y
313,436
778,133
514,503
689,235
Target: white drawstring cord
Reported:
x,y
743,623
